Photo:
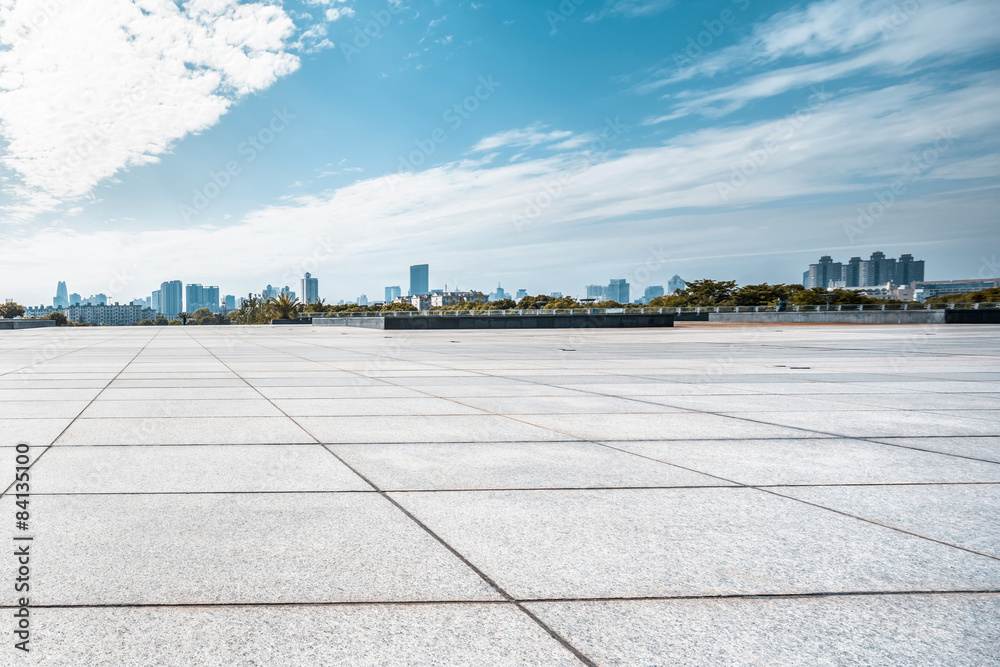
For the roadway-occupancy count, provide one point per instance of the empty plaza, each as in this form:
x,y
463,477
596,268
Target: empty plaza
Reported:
x,y
306,495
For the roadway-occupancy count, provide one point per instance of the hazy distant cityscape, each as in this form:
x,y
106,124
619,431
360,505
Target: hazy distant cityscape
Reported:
x,y
877,277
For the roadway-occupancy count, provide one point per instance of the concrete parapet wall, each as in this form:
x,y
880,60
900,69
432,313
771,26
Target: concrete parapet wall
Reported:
x,y
836,317
433,322
26,324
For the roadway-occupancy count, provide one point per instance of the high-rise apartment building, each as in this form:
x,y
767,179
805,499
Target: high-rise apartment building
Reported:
x,y
852,272
909,270
210,298
230,302
75,299
310,289
419,279
392,293
194,298
825,272
171,298
154,301
878,270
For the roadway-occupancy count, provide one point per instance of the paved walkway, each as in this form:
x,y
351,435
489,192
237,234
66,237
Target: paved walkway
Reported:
x,y
700,495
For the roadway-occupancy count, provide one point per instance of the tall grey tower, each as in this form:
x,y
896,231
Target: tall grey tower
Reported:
x,y
62,296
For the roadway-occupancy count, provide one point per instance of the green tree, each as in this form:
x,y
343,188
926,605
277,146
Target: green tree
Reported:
x,y
283,307
175,323
184,317
59,318
146,323
162,321
201,314
11,310
989,295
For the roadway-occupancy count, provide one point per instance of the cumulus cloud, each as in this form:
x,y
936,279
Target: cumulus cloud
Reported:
x,y
88,89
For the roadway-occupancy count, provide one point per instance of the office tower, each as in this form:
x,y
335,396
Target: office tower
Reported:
x,y
909,270
499,294
805,277
652,292
61,299
287,290
270,292
596,292
878,270
210,298
171,298
230,302
556,295
363,300
194,297
419,283
823,273
521,293
618,290
99,299
391,293
310,289
75,299
674,284
154,301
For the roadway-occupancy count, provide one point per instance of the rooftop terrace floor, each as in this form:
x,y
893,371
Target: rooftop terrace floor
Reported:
x,y
696,495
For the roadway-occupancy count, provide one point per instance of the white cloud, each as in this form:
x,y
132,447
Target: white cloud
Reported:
x,y
104,85
337,13
851,36
527,137
630,8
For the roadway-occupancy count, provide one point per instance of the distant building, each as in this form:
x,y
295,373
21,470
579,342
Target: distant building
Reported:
x,y
923,290
392,293
651,293
824,273
875,271
287,290
269,292
556,295
499,294
75,299
421,301
113,315
171,299
230,302
521,293
441,299
61,299
419,279
674,284
210,298
596,292
194,296
362,300
154,301
618,290
310,289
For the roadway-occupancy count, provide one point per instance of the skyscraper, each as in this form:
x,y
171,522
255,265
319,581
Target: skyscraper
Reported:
x,y
878,270
618,290
419,283
310,289
521,293
154,301
61,299
210,298
392,292
652,292
75,299
909,270
194,298
171,298
825,272
852,272
596,292
674,284
230,302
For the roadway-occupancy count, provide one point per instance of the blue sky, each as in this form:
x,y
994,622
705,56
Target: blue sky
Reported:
x,y
541,145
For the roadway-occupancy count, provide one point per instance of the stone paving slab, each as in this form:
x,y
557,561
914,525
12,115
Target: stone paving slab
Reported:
x,y
236,548
327,636
843,630
668,542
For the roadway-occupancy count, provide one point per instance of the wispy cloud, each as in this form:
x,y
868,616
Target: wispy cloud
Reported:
x,y
527,137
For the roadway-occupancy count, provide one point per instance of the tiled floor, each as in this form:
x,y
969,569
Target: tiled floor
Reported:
x,y
700,495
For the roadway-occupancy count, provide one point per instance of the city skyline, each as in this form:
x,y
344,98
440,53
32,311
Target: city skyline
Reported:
x,y
706,143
